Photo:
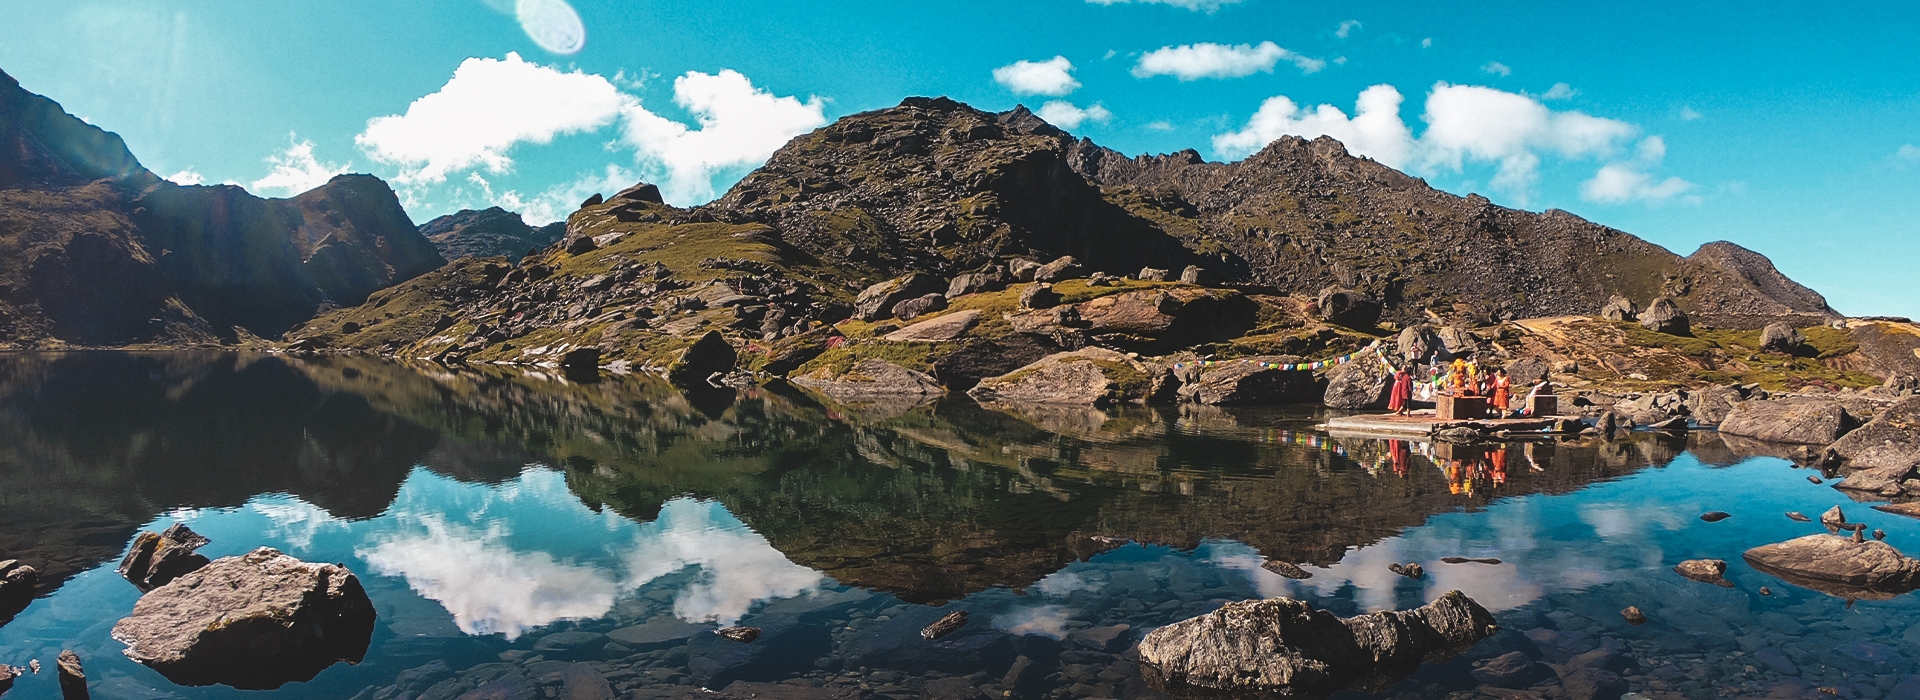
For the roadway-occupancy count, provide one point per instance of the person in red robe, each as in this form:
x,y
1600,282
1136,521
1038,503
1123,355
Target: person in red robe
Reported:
x,y
1502,392
1400,396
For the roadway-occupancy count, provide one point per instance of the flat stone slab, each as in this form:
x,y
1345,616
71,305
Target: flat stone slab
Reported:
x,y
947,327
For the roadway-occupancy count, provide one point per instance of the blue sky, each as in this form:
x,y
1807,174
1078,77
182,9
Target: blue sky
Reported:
x,y
1793,129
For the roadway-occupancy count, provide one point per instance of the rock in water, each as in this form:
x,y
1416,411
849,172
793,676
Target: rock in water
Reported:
x,y
1711,571
1664,316
1782,338
1798,516
254,622
1890,441
154,560
708,355
944,626
1619,308
7,674
1286,569
1833,519
1284,645
1634,616
1838,566
1714,516
73,679
18,583
743,635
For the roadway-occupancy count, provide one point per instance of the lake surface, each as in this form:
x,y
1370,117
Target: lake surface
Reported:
x,y
517,531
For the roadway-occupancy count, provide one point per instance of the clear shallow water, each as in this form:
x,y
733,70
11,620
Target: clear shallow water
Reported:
x,y
508,526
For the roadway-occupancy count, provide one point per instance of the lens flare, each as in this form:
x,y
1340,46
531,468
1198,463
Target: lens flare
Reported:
x,y
553,24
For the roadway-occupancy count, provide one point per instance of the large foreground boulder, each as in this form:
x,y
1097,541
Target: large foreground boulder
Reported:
x,y
709,355
1664,316
1891,441
18,583
155,559
1156,320
1361,385
876,302
1837,565
1087,377
1252,381
1284,645
1796,421
254,622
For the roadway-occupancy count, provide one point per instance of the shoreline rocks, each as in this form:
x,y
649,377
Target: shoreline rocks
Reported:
x,y
1839,566
1797,421
1286,646
18,584
156,559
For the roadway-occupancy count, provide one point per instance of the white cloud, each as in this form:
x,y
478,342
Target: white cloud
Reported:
x,y
1426,43
1908,152
1161,125
739,126
1560,91
1196,5
1464,124
1497,68
1687,114
560,200
1196,61
187,177
1065,115
488,107
553,24
1376,130
296,170
1053,77
1628,181
1346,28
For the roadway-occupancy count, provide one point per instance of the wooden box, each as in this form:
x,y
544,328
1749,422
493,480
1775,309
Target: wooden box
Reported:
x,y
1460,407
1545,405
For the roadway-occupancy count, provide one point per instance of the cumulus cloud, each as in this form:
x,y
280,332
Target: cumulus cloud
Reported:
x,y
1066,115
1908,152
1195,5
1426,43
1346,28
1196,61
1375,130
1688,114
1052,77
739,126
488,107
296,170
1464,123
1628,181
557,201
187,177
1497,68
1560,91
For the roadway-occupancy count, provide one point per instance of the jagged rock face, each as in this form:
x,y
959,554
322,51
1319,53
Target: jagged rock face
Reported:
x,y
487,233
96,250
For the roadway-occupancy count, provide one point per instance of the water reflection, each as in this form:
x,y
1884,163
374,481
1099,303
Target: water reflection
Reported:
x,y
506,522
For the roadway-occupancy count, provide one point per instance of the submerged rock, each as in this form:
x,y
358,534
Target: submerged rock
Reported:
x,y
1286,569
1712,571
1284,645
155,559
1634,616
254,622
1839,566
945,625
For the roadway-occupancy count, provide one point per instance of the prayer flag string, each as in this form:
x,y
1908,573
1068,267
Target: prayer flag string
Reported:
x,y
1293,367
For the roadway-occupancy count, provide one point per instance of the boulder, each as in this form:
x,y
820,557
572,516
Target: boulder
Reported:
x,y
593,201
1456,342
1360,385
1619,308
1022,269
1890,441
1348,308
707,356
1285,646
1712,571
1664,316
1039,295
1797,421
1161,320
1063,268
581,360
944,328
73,679
1838,565
1782,338
1525,372
978,358
876,303
975,283
1087,377
580,245
18,584
1194,274
871,379
155,559
254,622
1417,343
789,353
1151,274
1709,406
1887,481
910,309
640,192
1252,381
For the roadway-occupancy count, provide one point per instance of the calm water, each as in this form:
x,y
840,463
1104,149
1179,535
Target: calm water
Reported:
x,y
509,526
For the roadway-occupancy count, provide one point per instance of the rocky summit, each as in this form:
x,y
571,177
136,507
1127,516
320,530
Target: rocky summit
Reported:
x,y
489,233
95,250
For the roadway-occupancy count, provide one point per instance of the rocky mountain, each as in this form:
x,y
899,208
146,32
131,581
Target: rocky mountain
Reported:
x,y
488,233
95,250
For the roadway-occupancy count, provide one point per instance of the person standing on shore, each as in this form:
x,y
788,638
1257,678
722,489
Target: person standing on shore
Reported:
x,y
1400,396
1502,392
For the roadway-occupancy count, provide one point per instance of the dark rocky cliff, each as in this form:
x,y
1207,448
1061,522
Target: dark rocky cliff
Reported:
x,y
489,232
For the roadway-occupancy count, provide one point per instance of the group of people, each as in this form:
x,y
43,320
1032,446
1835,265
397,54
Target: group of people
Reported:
x,y
1461,377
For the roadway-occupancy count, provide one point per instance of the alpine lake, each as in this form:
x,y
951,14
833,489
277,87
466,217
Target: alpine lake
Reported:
x,y
526,535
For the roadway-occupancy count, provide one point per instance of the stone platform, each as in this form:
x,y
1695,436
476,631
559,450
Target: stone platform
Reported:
x,y
1424,423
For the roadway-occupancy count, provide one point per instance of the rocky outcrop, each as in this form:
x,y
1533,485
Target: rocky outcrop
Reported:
x,y
1360,385
1285,646
1087,377
18,585
1664,316
1060,269
1711,405
1796,421
1619,308
916,307
1348,308
1160,320
254,622
709,355
488,233
877,302
1781,338
871,379
946,327
1838,565
1251,381
156,559
1890,441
